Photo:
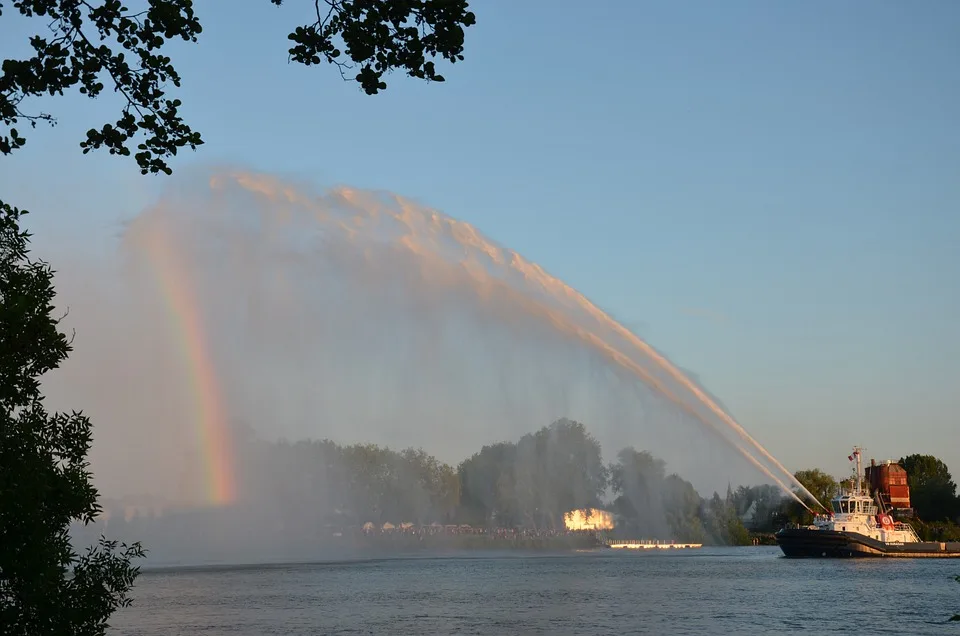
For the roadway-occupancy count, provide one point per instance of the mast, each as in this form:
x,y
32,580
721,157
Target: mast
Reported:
x,y
856,455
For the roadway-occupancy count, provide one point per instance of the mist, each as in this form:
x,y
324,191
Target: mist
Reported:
x,y
349,315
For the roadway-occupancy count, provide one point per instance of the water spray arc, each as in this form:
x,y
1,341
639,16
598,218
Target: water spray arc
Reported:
x,y
348,225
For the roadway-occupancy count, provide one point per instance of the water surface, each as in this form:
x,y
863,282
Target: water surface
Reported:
x,y
708,591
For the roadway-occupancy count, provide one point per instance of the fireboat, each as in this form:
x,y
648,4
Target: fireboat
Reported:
x,y
862,524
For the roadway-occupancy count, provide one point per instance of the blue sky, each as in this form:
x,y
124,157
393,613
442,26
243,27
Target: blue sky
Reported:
x,y
767,192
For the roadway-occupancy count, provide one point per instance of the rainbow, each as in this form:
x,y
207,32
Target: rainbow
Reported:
x,y
210,415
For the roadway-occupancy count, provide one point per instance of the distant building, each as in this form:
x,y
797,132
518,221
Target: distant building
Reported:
x,y
749,517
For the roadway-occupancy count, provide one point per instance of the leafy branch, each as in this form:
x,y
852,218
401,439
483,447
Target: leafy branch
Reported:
x,y
380,36
45,482
88,44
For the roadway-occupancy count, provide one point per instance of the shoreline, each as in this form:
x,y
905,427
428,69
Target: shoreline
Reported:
x,y
378,550
360,549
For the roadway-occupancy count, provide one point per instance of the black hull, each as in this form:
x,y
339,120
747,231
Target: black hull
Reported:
x,y
830,544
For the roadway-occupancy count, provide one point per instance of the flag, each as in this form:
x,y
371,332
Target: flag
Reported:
x,y
850,457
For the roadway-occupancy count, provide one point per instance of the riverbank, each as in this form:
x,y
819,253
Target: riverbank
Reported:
x,y
403,542
763,538
170,551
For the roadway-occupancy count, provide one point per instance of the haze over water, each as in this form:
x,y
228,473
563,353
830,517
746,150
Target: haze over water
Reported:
x,y
242,300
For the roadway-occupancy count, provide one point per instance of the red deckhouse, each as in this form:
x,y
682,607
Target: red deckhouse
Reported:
x,y
889,482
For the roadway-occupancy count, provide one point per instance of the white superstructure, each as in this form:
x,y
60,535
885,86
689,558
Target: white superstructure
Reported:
x,y
856,511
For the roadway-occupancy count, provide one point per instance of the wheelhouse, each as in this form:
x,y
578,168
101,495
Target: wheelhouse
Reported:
x,y
853,505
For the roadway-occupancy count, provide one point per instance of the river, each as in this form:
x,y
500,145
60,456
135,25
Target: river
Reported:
x,y
707,591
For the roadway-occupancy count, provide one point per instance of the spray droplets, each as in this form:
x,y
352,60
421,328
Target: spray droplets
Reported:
x,y
364,316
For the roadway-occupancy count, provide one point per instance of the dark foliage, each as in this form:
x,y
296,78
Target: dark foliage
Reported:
x,y
45,586
933,492
93,46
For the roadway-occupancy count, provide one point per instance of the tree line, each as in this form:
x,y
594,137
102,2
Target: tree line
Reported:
x,y
528,484
533,482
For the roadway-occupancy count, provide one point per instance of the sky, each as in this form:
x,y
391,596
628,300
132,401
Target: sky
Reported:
x,y
766,192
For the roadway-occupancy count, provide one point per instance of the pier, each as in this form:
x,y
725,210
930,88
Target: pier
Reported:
x,y
640,544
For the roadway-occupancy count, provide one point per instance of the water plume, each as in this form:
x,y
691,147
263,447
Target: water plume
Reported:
x,y
442,244
282,293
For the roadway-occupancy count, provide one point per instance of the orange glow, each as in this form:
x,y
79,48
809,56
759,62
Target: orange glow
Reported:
x,y
588,519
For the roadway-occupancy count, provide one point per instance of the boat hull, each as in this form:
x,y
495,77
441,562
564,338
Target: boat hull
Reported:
x,y
833,544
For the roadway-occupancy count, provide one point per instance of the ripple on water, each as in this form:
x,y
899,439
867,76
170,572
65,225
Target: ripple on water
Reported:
x,y
710,591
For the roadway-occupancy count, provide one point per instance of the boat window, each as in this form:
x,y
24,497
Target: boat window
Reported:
x,y
836,506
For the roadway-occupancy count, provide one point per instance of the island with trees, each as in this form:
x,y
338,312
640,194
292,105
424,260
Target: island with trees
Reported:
x,y
549,489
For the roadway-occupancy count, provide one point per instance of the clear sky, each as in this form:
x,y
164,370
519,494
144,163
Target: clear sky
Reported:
x,y
769,192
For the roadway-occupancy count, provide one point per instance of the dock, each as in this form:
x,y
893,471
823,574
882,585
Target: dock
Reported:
x,y
640,544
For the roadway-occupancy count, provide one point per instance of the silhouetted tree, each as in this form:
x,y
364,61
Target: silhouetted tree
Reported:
x,y
45,586
933,493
